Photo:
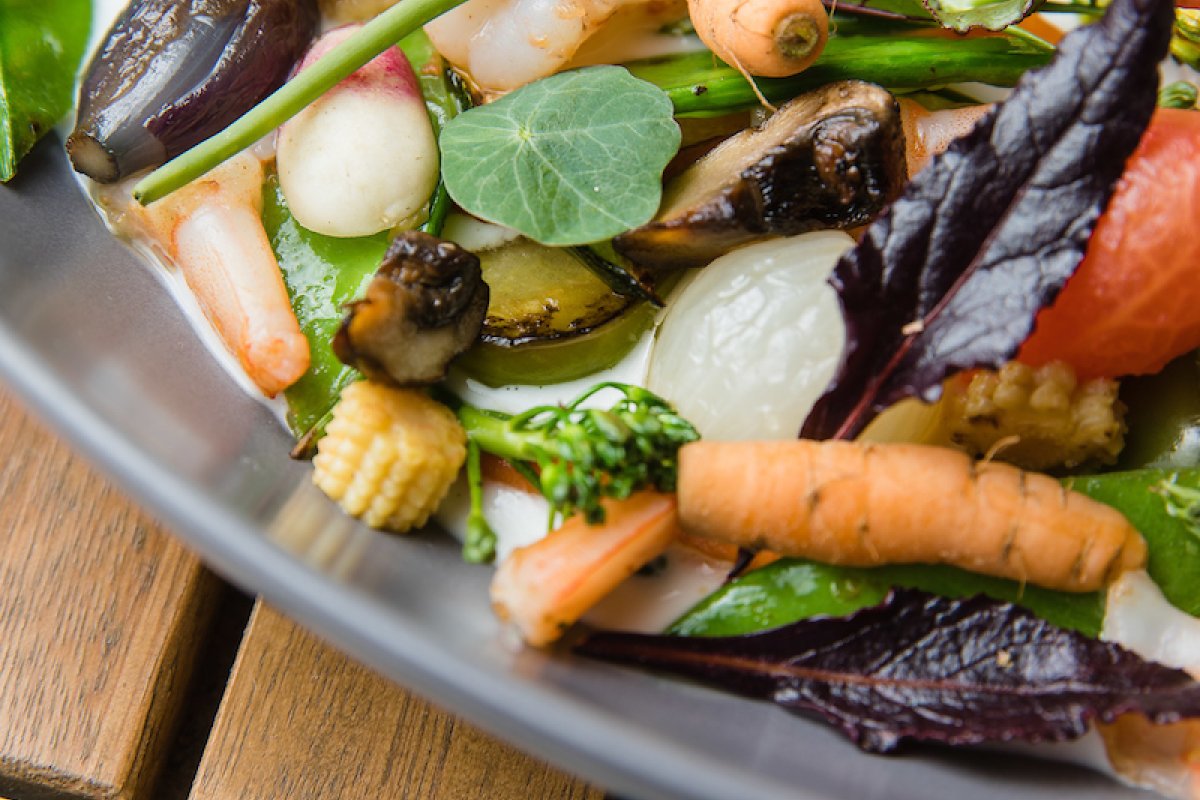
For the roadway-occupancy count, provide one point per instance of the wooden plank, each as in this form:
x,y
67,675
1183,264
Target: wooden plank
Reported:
x,y
100,616
300,720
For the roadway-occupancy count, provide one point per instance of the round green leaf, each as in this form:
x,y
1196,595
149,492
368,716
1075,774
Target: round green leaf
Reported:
x,y
570,159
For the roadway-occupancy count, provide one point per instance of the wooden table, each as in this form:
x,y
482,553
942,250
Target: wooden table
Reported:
x,y
118,679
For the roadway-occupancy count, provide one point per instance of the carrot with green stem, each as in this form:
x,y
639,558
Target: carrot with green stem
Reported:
x,y
860,504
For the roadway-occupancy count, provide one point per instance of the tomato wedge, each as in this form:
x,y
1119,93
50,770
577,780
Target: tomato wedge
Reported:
x,y
1134,303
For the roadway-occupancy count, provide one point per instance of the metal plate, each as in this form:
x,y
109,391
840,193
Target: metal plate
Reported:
x,y
92,339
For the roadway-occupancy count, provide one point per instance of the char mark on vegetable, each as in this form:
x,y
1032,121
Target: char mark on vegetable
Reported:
x,y
990,232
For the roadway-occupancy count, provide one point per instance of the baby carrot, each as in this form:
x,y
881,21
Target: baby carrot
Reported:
x,y
861,504
546,587
767,38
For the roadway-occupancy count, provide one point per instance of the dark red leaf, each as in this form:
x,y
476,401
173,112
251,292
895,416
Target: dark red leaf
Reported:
x,y
952,275
927,668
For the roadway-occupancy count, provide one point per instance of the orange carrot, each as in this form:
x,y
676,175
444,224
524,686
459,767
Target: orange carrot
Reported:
x,y
1165,758
546,587
864,504
768,38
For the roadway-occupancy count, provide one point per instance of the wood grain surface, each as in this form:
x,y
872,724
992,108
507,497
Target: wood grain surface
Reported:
x,y
301,721
100,617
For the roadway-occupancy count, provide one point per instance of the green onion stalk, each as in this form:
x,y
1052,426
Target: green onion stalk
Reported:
x,y
290,99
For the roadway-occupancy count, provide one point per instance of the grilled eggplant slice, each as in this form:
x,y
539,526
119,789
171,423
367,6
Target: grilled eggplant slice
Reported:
x,y
172,73
551,318
540,294
832,158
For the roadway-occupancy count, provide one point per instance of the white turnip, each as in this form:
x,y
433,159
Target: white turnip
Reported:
x,y
363,158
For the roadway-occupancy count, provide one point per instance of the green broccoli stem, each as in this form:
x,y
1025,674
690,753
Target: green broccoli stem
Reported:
x,y
480,544
584,456
290,99
490,431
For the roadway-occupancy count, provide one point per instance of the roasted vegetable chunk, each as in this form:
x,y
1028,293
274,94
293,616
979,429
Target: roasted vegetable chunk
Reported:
x,y
828,159
171,74
425,305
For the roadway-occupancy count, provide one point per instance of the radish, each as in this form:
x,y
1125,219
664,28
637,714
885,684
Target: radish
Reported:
x,y
363,158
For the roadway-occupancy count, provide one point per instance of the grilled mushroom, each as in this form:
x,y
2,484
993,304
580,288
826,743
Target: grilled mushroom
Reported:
x,y
831,158
424,306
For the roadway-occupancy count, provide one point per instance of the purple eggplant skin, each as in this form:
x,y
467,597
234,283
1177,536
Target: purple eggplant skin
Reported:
x,y
172,73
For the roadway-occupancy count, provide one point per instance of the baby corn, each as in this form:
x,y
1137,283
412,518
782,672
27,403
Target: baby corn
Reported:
x,y
389,455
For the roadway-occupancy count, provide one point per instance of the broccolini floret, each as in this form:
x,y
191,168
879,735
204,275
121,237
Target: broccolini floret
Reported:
x,y
577,456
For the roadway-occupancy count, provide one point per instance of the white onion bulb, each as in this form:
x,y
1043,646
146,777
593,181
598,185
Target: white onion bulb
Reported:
x,y
752,342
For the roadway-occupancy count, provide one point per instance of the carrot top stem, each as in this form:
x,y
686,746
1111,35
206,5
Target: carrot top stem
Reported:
x,y
797,36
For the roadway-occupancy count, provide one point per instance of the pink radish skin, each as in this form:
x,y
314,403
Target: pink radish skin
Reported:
x,y
362,158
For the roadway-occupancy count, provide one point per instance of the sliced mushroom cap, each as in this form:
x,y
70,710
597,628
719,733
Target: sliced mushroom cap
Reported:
x,y
831,158
425,305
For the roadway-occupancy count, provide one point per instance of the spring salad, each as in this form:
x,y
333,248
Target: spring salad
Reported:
x,y
571,277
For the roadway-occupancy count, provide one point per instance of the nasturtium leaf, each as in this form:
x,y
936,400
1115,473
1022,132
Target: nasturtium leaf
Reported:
x,y
41,44
995,15
570,159
923,668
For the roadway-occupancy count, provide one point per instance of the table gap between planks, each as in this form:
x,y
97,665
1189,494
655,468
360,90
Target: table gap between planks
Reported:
x,y
103,620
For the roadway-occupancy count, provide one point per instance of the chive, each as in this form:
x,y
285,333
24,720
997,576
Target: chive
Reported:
x,y
290,99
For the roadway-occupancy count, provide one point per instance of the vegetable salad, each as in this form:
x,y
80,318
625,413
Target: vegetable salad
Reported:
x,y
785,291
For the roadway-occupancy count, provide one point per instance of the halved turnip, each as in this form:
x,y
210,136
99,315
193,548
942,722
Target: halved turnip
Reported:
x,y
363,158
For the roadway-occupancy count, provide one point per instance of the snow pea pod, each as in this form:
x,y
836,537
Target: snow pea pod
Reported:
x,y
899,56
41,45
322,274
793,589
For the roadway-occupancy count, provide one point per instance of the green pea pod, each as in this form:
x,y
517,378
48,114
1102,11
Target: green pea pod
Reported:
x,y
902,56
41,45
1151,500
1163,416
1155,501
322,274
792,589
